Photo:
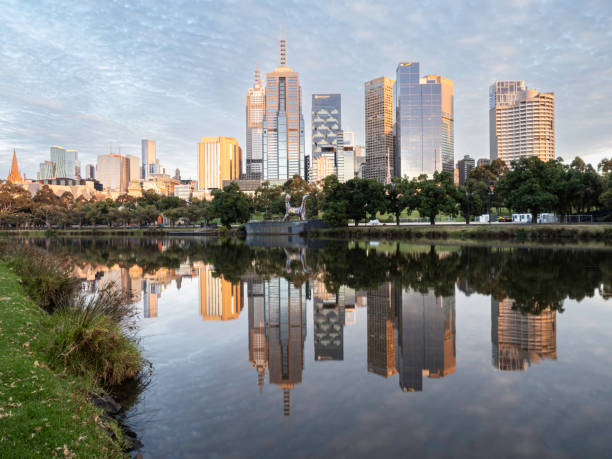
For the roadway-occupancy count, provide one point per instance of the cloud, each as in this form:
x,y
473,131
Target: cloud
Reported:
x,y
86,75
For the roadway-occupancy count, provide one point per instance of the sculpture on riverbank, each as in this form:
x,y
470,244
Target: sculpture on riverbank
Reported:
x,y
299,211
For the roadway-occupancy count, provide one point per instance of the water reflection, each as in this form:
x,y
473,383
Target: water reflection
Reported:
x,y
409,292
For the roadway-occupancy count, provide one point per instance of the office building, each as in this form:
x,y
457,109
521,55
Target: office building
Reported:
x,y
134,168
328,320
90,172
283,154
219,298
326,130
63,164
521,122
113,172
14,176
322,166
379,163
519,339
219,159
424,117
149,157
483,162
426,338
258,333
464,167
346,157
255,109
381,331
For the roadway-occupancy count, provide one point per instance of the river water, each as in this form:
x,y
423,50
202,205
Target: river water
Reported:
x,y
276,348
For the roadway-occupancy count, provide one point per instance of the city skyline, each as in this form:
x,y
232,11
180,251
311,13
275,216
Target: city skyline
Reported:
x,y
87,89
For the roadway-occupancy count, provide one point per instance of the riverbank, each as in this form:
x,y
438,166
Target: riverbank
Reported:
x,y
502,232
57,351
178,231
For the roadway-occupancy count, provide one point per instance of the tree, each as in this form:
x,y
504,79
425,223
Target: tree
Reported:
x,y
531,186
335,202
470,198
13,200
435,196
399,196
268,199
605,166
231,205
170,202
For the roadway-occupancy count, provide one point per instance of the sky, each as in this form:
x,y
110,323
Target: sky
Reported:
x,y
95,75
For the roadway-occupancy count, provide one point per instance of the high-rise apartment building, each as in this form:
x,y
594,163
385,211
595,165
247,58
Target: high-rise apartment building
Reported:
x,y
464,167
326,131
149,157
521,122
113,172
219,159
255,109
379,129
520,339
424,122
283,142
134,168
346,157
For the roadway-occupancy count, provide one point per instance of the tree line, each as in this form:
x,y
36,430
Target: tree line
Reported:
x,y
529,186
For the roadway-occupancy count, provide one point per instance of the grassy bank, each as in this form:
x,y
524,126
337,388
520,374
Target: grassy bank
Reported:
x,y
148,232
507,232
59,349
43,411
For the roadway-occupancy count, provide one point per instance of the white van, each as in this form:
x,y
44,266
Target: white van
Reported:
x,y
521,218
548,218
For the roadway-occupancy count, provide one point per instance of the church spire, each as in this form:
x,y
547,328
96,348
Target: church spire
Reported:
x,y
14,175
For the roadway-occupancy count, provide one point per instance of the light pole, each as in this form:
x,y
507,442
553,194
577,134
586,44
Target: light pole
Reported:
x,y
490,194
467,197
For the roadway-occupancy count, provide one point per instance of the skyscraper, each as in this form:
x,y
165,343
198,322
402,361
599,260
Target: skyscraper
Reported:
x,y
381,332
66,164
149,156
424,122
520,339
255,108
219,298
521,122
114,172
90,171
219,158
379,129
283,142
465,166
326,131
426,338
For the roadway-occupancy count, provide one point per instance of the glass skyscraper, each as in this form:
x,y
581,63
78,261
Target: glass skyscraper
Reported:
x,y
255,108
379,129
424,122
67,164
283,141
326,131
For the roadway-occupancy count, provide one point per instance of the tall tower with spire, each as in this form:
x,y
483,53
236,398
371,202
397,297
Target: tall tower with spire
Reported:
x,y
283,124
255,107
14,175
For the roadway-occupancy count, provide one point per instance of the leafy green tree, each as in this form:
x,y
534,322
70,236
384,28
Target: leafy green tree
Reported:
x,y
436,195
170,202
335,205
231,205
605,166
269,199
531,186
472,198
146,214
400,195
14,200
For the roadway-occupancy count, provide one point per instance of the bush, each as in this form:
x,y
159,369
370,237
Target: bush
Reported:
x,y
46,279
91,338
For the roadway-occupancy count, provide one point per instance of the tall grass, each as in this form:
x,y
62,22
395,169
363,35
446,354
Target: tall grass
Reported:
x,y
92,335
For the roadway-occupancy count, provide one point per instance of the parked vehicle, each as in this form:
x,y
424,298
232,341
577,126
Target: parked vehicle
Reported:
x,y
522,218
547,218
504,219
374,222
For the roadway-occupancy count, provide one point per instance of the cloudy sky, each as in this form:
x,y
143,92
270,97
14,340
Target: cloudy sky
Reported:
x,y
88,75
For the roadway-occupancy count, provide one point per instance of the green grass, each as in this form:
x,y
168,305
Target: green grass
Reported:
x,y
43,412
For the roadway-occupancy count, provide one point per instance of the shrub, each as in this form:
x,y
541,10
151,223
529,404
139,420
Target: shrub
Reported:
x,y
90,338
47,280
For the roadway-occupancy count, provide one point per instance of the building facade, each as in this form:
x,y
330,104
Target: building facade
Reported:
x,y
90,172
114,172
149,156
255,109
219,158
424,122
379,163
326,130
63,164
464,167
521,122
283,142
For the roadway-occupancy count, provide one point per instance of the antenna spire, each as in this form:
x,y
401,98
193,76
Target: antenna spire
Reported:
x,y
283,52
257,76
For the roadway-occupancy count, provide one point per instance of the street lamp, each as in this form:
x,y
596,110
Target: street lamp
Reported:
x,y
490,194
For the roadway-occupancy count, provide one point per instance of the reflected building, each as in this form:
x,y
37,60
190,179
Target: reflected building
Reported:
x,y
518,339
285,305
219,298
381,331
258,328
426,329
328,318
